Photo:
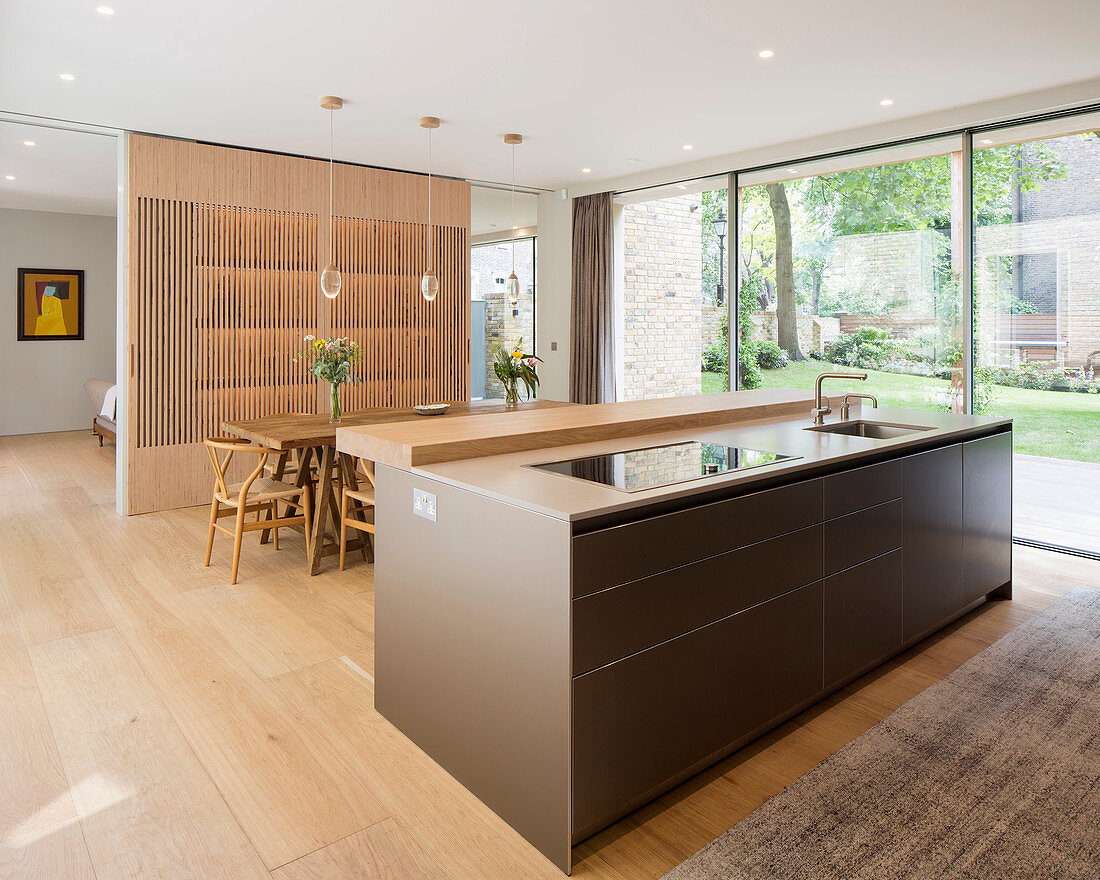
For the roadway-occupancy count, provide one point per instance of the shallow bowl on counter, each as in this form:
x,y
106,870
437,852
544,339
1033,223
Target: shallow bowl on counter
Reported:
x,y
432,409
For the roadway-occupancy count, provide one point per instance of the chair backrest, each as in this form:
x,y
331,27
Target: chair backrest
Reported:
x,y
220,463
365,468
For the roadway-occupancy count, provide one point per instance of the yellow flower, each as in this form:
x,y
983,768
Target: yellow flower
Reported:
x,y
318,343
517,354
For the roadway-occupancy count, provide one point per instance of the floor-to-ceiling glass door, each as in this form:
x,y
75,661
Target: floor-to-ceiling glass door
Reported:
x,y
855,262
1037,318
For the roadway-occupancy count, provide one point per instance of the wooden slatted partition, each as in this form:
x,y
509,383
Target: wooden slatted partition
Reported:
x,y
225,250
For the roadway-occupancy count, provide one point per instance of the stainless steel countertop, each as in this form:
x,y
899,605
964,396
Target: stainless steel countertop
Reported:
x,y
506,478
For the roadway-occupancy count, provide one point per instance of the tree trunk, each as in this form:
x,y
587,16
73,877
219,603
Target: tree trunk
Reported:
x,y
784,273
815,298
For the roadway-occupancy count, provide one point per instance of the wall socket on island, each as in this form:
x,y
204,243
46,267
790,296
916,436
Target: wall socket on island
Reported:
x,y
424,504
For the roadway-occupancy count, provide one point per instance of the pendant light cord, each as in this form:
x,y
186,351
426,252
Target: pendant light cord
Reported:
x,y
331,219
431,238
513,209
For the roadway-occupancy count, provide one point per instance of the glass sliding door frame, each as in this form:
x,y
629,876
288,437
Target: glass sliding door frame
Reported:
x,y
733,273
965,241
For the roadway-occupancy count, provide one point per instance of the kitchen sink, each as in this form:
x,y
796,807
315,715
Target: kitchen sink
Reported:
x,y
873,430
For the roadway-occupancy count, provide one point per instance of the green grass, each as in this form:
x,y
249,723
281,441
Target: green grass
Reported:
x,y
1052,423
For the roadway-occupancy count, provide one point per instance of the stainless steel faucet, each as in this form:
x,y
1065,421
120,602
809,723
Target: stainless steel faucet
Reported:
x,y
822,409
846,405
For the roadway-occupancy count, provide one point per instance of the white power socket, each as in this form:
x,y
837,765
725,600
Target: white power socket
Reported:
x,y
424,504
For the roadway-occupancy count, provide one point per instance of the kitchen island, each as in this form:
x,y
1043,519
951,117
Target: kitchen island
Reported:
x,y
571,641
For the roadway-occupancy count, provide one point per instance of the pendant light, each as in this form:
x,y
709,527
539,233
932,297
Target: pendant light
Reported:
x,y
429,281
330,276
513,281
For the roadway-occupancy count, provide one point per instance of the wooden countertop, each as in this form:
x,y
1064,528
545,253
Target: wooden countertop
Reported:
x,y
433,441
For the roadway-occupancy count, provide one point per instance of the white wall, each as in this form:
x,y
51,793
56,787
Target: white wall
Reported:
x,y
40,381
554,272
556,222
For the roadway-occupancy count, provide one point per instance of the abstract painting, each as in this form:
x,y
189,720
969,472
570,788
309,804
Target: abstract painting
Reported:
x,y
51,304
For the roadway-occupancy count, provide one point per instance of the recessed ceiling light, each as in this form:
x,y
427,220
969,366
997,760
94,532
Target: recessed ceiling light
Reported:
x,y
28,143
682,185
633,159
886,102
766,53
689,146
792,171
986,141
9,177
586,171
68,77
104,10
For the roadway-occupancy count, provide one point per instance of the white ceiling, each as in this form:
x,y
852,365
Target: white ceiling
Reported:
x,y
68,171
617,86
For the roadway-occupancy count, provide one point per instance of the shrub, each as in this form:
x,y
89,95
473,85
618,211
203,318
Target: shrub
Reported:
x,y
750,369
716,357
769,356
868,348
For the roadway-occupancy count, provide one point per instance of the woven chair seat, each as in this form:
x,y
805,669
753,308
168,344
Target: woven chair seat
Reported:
x,y
262,489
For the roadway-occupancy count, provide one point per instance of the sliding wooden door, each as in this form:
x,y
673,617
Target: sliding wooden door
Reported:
x,y
225,247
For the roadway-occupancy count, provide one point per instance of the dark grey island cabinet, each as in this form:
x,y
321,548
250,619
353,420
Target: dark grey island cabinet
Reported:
x,y
639,649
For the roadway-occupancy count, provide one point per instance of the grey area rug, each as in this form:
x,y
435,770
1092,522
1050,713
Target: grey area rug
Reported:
x,y
992,772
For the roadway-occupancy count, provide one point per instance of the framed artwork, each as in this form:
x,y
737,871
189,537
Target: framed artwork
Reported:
x,y
51,304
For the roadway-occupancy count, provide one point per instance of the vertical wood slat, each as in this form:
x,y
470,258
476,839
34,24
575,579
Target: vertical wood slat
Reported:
x,y
224,287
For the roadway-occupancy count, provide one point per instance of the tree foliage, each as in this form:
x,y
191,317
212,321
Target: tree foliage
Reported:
x,y
904,196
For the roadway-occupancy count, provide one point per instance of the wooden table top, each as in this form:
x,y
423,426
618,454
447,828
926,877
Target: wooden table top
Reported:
x,y
409,444
284,431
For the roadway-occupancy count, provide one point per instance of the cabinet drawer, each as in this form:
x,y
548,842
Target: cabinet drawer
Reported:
x,y
635,550
640,722
863,615
613,623
862,487
857,537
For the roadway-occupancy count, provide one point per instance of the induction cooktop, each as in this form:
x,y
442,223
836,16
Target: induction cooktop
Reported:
x,y
654,466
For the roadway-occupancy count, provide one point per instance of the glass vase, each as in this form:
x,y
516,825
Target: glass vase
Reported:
x,y
511,394
335,412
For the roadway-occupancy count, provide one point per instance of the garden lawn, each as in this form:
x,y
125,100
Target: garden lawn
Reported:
x,y
1055,424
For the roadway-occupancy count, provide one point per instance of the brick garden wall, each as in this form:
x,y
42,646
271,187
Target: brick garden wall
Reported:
x,y
662,299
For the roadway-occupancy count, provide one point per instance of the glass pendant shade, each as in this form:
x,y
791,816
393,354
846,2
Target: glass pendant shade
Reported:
x,y
513,289
429,285
331,281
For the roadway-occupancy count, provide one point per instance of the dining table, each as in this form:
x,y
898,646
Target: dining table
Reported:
x,y
313,438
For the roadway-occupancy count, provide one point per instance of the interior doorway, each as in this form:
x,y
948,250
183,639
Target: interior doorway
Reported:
x,y
59,276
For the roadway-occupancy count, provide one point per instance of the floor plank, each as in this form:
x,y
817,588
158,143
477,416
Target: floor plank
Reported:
x,y
146,807
51,597
384,851
40,835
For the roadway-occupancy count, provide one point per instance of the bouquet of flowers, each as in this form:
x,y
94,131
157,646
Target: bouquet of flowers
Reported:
x,y
512,366
332,360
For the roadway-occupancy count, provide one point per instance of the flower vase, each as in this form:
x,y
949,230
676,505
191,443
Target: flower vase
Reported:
x,y
511,394
334,411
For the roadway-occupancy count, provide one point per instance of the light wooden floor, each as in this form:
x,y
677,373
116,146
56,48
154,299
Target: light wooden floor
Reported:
x,y
156,722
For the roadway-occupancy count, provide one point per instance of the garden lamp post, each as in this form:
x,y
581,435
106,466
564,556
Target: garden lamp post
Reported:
x,y
720,226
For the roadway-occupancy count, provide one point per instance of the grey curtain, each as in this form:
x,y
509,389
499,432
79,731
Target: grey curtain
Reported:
x,y
592,328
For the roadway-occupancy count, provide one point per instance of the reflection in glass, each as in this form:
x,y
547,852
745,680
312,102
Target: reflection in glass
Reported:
x,y
638,469
855,268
